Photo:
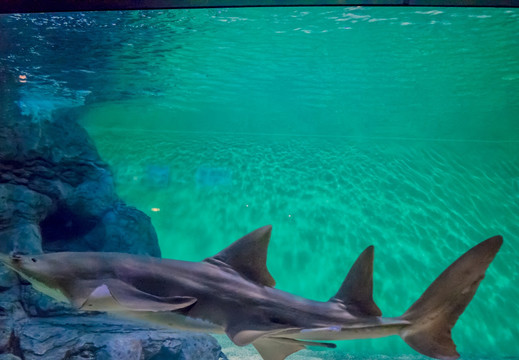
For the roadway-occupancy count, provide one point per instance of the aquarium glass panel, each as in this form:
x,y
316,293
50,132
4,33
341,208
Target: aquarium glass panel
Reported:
x,y
342,127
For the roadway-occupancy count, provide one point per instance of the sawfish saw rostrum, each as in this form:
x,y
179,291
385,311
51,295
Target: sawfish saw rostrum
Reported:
x,y
233,293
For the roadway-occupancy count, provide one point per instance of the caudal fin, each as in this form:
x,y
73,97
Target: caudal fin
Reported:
x,y
434,314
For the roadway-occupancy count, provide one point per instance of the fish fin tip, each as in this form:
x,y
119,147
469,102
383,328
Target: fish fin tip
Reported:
x,y
248,256
356,292
101,296
118,295
244,337
278,348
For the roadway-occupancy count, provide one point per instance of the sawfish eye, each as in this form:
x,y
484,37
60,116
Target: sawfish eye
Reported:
x,y
33,259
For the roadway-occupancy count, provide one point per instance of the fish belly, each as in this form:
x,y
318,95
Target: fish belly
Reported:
x,y
337,333
174,320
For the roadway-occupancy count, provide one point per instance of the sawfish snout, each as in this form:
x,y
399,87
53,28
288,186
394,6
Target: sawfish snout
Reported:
x,y
10,260
38,270
16,257
19,262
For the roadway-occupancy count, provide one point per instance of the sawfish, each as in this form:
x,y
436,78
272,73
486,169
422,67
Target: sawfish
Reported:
x,y
233,293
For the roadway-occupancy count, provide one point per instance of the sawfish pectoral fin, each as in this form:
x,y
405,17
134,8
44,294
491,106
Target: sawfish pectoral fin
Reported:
x,y
244,337
272,345
115,295
241,337
278,348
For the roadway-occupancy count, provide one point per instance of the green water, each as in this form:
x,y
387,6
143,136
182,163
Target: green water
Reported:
x,y
421,203
341,127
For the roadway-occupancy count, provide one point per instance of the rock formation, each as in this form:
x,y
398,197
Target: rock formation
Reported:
x,y
56,194
102,338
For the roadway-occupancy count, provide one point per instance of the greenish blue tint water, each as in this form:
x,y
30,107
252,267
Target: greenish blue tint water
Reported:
x,y
341,127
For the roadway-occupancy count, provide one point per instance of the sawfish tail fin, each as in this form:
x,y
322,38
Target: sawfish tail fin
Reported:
x,y
434,314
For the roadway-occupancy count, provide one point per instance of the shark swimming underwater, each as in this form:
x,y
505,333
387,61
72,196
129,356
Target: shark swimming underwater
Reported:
x,y
233,293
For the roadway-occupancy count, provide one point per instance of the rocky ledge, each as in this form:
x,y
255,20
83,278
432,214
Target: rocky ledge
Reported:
x,y
103,338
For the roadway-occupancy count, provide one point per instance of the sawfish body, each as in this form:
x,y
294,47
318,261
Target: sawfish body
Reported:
x,y
233,293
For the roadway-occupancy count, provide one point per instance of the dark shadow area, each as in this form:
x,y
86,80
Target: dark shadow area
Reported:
x,y
64,226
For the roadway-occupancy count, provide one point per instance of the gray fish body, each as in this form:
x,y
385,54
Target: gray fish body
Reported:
x,y
222,294
233,293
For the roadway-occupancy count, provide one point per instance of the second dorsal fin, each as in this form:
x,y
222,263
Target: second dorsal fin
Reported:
x,y
248,256
356,291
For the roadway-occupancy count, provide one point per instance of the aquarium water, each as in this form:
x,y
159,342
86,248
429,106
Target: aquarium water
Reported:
x,y
343,127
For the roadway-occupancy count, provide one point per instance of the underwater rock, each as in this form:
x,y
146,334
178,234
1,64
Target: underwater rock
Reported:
x,y
102,338
36,304
9,357
124,227
56,194
21,209
11,314
121,228
53,179
7,279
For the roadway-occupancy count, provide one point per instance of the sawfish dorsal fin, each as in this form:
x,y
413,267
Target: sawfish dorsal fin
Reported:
x,y
248,256
356,291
